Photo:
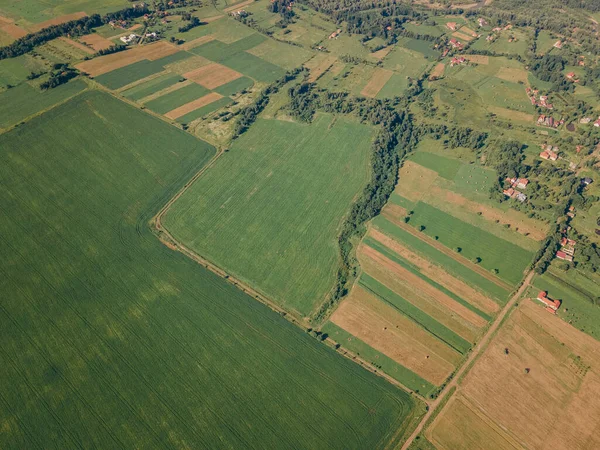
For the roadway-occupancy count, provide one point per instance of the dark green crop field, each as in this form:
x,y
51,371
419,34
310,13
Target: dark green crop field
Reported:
x,y
112,340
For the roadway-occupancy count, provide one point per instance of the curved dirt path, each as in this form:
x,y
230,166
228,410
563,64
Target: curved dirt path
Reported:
x,y
433,406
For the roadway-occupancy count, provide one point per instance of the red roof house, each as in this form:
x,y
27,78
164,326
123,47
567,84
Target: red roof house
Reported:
x,y
551,305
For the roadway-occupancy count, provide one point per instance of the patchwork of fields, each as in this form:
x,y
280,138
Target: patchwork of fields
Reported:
x,y
269,210
111,339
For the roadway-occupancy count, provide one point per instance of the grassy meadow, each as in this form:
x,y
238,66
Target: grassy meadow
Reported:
x,y
270,209
112,340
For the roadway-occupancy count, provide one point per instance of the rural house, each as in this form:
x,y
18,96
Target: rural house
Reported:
x,y
452,25
551,305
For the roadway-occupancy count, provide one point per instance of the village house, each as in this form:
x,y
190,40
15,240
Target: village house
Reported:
x,y
520,197
522,183
597,122
551,305
558,44
549,153
458,60
129,39
452,25
482,22
335,34
586,181
585,120
571,76
456,44
562,255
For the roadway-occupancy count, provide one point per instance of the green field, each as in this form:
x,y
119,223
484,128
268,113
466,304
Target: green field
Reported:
x,y
397,371
496,292
176,98
408,309
112,340
445,167
133,72
270,209
15,70
235,86
495,253
34,11
24,100
150,87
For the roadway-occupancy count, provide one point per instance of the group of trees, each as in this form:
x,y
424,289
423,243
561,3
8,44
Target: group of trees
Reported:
x,y
193,22
60,74
284,9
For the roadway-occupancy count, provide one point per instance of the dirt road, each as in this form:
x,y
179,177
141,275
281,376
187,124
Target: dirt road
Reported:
x,y
474,354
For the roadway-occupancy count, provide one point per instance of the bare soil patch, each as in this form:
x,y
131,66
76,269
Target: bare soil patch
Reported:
x,y
376,83
96,41
466,30
556,403
5,20
415,291
198,42
58,20
108,63
512,74
414,181
78,45
193,105
437,71
461,259
366,317
212,75
478,59
13,30
438,274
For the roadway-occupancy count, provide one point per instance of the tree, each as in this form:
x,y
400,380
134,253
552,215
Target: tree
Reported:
x,y
421,227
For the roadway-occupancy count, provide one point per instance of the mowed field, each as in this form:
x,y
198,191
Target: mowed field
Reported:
x,y
112,340
270,209
536,386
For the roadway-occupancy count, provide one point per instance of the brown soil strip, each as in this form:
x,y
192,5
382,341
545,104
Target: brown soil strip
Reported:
x,y
5,20
58,20
13,30
437,273
468,31
376,83
212,75
108,63
193,105
396,211
239,6
164,91
381,327
135,26
96,41
197,42
478,59
422,288
437,71
78,45
458,258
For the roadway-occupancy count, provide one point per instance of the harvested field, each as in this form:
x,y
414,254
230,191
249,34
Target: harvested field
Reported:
x,y
510,114
319,65
462,37
468,31
96,41
379,325
414,181
377,81
238,6
212,75
396,211
512,74
58,20
437,71
437,273
108,63
13,30
5,20
77,45
193,105
477,59
420,294
557,404
197,42
380,54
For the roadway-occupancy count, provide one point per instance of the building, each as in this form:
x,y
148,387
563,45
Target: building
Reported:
x,y
522,183
586,181
129,39
458,60
335,34
455,44
510,192
585,120
597,122
549,155
551,305
558,44
452,25
520,196
564,256
482,22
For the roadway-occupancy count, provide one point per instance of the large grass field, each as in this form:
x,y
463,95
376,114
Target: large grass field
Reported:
x,y
270,209
112,340
35,11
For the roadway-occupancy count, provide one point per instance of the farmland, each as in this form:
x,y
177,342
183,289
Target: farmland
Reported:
x,y
269,210
129,335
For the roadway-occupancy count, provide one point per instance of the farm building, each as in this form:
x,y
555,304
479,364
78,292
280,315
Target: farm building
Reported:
x,y
455,43
564,256
452,25
558,44
586,181
549,153
458,60
129,39
482,22
551,305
